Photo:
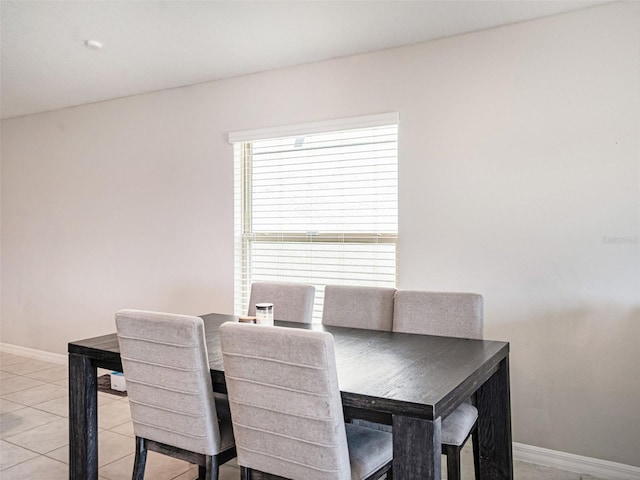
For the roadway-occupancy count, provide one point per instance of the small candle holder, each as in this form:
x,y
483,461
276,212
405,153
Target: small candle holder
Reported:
x,y
264,313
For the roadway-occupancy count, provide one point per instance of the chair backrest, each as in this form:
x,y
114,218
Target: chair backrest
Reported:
x,y
448,314
285,401
358,307
292,302
164,358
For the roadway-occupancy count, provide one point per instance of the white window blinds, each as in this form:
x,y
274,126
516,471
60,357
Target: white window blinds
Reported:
x,y
319,207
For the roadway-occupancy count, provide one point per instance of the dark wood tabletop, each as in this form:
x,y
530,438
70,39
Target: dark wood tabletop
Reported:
x,y
383,375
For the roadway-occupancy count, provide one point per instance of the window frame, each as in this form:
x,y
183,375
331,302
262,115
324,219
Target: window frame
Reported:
x,y
244,142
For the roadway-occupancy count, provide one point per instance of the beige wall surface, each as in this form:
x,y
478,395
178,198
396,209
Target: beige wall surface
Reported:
x,y
519,179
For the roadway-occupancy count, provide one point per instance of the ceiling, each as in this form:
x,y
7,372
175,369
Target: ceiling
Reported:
x,y
154,45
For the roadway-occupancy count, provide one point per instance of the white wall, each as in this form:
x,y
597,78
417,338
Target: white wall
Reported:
x,y
519,162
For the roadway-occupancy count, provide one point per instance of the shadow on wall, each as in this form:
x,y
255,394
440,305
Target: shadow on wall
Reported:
x,y
575,379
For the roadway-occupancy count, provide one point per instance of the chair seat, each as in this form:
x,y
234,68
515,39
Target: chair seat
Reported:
x,y
456,427
369,450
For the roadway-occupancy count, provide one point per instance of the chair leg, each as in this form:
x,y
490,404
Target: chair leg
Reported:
x,y
453,462
245,473
140,460
212,468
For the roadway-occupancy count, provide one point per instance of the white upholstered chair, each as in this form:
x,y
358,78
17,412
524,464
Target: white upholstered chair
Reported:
x,y
292,302
358,307
449,314
164,358
286,408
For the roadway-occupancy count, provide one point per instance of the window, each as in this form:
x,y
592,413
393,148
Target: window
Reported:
x,y
317,204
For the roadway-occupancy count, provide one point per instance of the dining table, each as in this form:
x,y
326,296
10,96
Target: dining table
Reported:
x,y
409,381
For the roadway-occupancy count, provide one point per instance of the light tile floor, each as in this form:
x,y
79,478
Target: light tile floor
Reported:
x,y
34,439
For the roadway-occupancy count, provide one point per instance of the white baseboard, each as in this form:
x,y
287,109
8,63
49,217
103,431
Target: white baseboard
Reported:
x,y
58,358
525,453
575,463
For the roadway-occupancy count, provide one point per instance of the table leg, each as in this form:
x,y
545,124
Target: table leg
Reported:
x,y
416,448
83,418
494,426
